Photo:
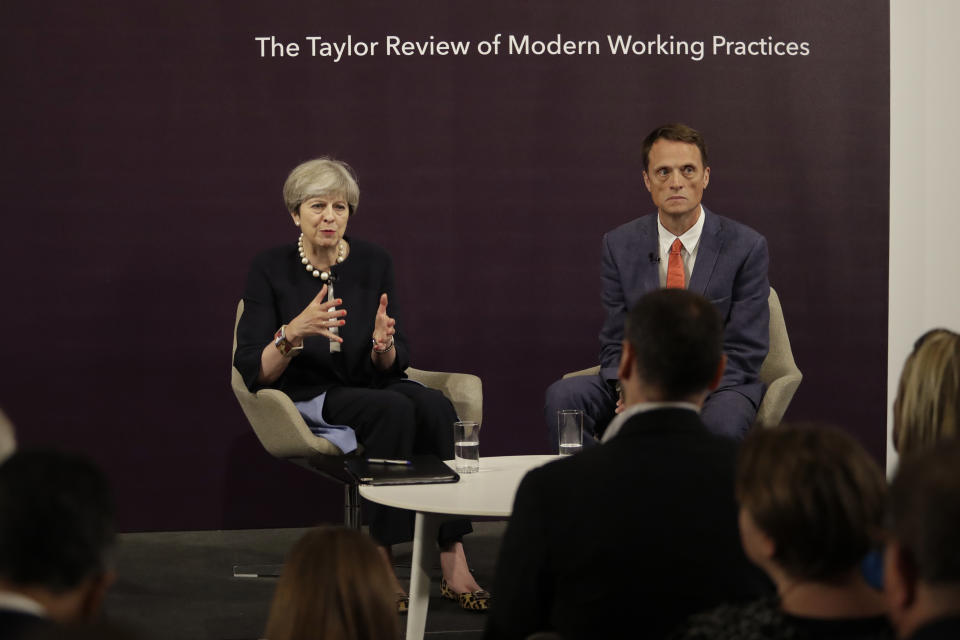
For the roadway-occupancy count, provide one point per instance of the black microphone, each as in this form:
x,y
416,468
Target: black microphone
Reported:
x,y
653,257
331,278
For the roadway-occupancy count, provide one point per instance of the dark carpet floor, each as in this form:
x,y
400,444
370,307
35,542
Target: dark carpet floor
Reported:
x,y
180,585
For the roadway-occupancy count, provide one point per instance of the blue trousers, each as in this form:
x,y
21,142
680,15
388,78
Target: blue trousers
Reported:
x,y
726,412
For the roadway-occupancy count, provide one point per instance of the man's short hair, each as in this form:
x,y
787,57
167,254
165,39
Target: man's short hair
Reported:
x,y
816,493
56,520
923,511
677,337
676,132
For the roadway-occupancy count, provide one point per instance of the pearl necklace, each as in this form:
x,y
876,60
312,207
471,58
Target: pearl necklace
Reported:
x,y
317,273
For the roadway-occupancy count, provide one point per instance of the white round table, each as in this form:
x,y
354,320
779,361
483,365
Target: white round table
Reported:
x,y
489,492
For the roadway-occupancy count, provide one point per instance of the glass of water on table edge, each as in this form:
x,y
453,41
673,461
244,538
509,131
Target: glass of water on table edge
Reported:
x,y
570,431
466,446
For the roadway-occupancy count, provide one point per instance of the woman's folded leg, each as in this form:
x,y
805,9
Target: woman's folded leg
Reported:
x,y
434,416
384,424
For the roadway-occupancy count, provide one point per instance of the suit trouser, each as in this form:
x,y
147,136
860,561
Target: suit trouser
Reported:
x,y
726,412
401,419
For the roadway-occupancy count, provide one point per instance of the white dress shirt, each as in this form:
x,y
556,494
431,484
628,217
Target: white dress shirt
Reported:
x,y
690,240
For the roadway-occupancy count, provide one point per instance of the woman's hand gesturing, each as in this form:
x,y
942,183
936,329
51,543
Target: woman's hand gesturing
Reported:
x,y
320,316
383,328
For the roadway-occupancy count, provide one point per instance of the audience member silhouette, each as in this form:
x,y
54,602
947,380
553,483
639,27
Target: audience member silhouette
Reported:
x,y
927,407
922,556
56,535
641,531
811,507
334,584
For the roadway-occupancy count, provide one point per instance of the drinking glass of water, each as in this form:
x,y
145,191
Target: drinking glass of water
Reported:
x,y
466,446
570,431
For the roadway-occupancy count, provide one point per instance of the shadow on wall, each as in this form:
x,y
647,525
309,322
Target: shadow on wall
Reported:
x,y
263,492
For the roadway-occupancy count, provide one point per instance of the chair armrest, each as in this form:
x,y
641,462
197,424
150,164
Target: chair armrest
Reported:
x,y
464,390
777,399
8,439
592,371
277,423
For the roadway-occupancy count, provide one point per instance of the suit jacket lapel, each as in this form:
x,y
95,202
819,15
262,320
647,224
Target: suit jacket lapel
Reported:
x,y
711,243
650,251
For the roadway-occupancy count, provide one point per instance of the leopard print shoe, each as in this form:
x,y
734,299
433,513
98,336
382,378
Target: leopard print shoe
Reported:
x,y
471,601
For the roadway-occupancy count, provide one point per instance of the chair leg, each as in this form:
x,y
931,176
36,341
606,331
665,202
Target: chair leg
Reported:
x,y
351,506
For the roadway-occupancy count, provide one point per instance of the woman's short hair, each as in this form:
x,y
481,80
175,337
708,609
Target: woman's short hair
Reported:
x,y
927,408
816,493
320,177
334,584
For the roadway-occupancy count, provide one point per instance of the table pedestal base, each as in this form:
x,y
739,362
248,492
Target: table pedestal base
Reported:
x,y
424,547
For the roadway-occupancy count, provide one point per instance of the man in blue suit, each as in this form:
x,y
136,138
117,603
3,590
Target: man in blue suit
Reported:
x,y
682,245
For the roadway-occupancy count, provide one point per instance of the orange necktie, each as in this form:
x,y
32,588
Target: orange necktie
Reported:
x,y
675,279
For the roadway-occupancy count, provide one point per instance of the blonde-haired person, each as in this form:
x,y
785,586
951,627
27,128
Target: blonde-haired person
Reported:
x,y
345,373
334,584
811,507
927,407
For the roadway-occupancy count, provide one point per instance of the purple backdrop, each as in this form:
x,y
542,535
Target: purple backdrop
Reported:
x,y
145,145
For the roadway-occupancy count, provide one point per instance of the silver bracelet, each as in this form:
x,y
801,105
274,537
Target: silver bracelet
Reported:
x,y
382,351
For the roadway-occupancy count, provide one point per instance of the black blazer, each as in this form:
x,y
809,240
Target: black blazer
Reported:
x,y
16,624
637,533
279,288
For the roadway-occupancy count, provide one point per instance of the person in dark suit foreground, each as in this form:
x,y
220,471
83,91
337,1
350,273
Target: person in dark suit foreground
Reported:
x,y
641,531
56,533
922,556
